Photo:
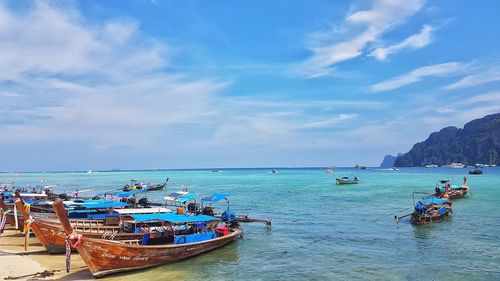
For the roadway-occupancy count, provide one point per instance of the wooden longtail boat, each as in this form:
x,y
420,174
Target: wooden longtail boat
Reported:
x,y
107,257
430,209
451,191
52,236
9,216
134,185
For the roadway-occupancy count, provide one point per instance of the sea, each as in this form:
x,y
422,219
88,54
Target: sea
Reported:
x,y
320,230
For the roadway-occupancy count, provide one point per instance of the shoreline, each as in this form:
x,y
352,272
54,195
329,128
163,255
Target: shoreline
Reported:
x,y
17,263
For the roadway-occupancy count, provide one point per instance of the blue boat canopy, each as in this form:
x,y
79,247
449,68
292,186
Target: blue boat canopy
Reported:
x,y
169,217
122,193
432,200
216,197
186,197
180,196
101,205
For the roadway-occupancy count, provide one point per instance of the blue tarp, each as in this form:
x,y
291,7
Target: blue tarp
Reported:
x,y
186,197
122,193
192,238
215,197
432,200
174,218
103,205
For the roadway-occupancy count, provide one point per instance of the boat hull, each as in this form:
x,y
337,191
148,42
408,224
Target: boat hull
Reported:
x,y
346,181
418,218
53,237
104,257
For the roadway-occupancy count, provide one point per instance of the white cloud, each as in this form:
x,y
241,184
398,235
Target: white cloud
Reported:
x,y
383,16
95,83
104,86
415,41
475,80
437,70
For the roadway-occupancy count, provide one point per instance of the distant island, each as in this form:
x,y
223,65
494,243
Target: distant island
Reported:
x,y
477,142
389,160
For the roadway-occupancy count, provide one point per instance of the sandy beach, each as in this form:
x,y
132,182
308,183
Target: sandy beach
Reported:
x,y
16,263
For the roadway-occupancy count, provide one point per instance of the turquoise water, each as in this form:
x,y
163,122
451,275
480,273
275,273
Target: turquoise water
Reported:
x,y
324,231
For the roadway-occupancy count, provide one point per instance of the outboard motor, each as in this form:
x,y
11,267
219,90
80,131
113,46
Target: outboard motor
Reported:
x,y
143,202
229,218
193,208
438,192
208,211
64,196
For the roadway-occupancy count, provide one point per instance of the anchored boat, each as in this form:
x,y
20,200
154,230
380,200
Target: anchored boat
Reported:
x,y
178,237
347,180
446,189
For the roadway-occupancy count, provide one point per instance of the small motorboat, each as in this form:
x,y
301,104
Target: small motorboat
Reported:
x,y
347,180
476,171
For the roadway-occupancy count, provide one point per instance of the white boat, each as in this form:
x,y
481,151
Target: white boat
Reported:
x,y
89,172
431,166
456,165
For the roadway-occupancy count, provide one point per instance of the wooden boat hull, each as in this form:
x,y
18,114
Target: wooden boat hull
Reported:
x,y
418,218
12,221
104,257
456,193
53,237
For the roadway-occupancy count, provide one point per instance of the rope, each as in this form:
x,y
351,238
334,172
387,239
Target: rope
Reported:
x,y
68,255
74,240
27,227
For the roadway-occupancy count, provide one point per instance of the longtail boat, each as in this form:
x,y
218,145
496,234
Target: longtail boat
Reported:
x,y
430,209
9,216
105,257
445,189
134,185
51,235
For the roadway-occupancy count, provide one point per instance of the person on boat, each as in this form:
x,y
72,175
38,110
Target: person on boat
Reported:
x,y
356,178
446,188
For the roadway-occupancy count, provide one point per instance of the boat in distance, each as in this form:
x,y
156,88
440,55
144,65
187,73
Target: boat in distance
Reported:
x,y
347,180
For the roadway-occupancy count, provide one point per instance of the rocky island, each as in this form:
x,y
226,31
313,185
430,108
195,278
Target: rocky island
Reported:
x,y
477,142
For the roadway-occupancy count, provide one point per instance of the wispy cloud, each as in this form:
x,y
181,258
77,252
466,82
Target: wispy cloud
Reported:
x,y
75,80
488,76
437,70
416,41
361,29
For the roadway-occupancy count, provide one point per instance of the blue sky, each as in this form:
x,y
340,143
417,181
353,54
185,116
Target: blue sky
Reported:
x,y
186,84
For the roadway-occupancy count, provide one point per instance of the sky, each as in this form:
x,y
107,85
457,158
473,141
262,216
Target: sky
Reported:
x,y
122,84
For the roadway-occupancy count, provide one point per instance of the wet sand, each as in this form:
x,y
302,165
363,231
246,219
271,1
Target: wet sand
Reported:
x,y
15,262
